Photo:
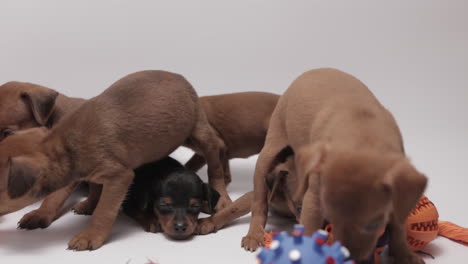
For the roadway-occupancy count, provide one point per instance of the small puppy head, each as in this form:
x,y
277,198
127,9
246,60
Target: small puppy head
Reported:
x,y
180,198
25,105
360,192
21,168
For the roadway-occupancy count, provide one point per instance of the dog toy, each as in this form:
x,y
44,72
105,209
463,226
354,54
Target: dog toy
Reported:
x,y
422,226
297,248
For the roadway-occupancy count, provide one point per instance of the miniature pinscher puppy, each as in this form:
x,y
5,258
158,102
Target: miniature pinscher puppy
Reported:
x,y
25,105
139,119
240,121
165,195
350,164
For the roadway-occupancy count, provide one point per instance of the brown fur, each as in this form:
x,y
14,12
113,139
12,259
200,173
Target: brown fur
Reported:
x,y
25,105
348,155
240,121
140,118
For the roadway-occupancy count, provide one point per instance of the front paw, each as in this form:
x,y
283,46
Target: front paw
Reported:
x,y
223,202
206,226
84,208
152,227
87,240
252,242
410,258
36,219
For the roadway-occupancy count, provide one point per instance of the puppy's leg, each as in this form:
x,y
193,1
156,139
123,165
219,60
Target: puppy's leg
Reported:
x,y
195,163
213,148
226,169
87,206
115,187
49,211
398,247
274,143
238,208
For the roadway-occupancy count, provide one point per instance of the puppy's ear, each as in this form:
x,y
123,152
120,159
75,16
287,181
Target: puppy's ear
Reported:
x,y
41,101
406,185
22,176
310,158
210,199
309,162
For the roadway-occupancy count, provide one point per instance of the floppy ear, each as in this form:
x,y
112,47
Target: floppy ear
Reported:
x,y
406,186
308,160
22,176
210,199
41,101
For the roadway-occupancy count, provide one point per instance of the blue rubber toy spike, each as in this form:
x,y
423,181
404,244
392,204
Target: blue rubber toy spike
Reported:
x,y
299,249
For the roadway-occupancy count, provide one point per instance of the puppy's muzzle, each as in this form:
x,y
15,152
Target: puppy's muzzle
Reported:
x,y
180,227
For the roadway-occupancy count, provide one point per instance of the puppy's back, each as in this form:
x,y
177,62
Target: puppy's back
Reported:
x,y
242,119
337,107
143,116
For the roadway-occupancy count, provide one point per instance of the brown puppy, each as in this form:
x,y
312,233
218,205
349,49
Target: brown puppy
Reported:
x,y
350,162
140,118
240,121
25,105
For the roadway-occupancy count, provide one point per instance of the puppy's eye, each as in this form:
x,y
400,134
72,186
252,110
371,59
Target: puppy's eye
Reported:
x,y
165,207
195,208
5,133
299,210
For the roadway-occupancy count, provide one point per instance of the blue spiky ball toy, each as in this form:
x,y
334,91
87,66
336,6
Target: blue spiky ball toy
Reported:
x,y
299,249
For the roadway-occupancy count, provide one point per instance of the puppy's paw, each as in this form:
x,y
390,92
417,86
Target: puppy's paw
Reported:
x,y
206,226
84,208
223,202
152,227
87,240
36,219
410,258
251,243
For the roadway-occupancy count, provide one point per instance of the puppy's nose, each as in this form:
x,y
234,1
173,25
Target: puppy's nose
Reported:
x,y
180,227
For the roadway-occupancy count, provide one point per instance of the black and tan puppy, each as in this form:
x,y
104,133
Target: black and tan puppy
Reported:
x,y
350,164
166,196
139,119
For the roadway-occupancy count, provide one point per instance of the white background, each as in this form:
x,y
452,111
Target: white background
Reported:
x,y
412,54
